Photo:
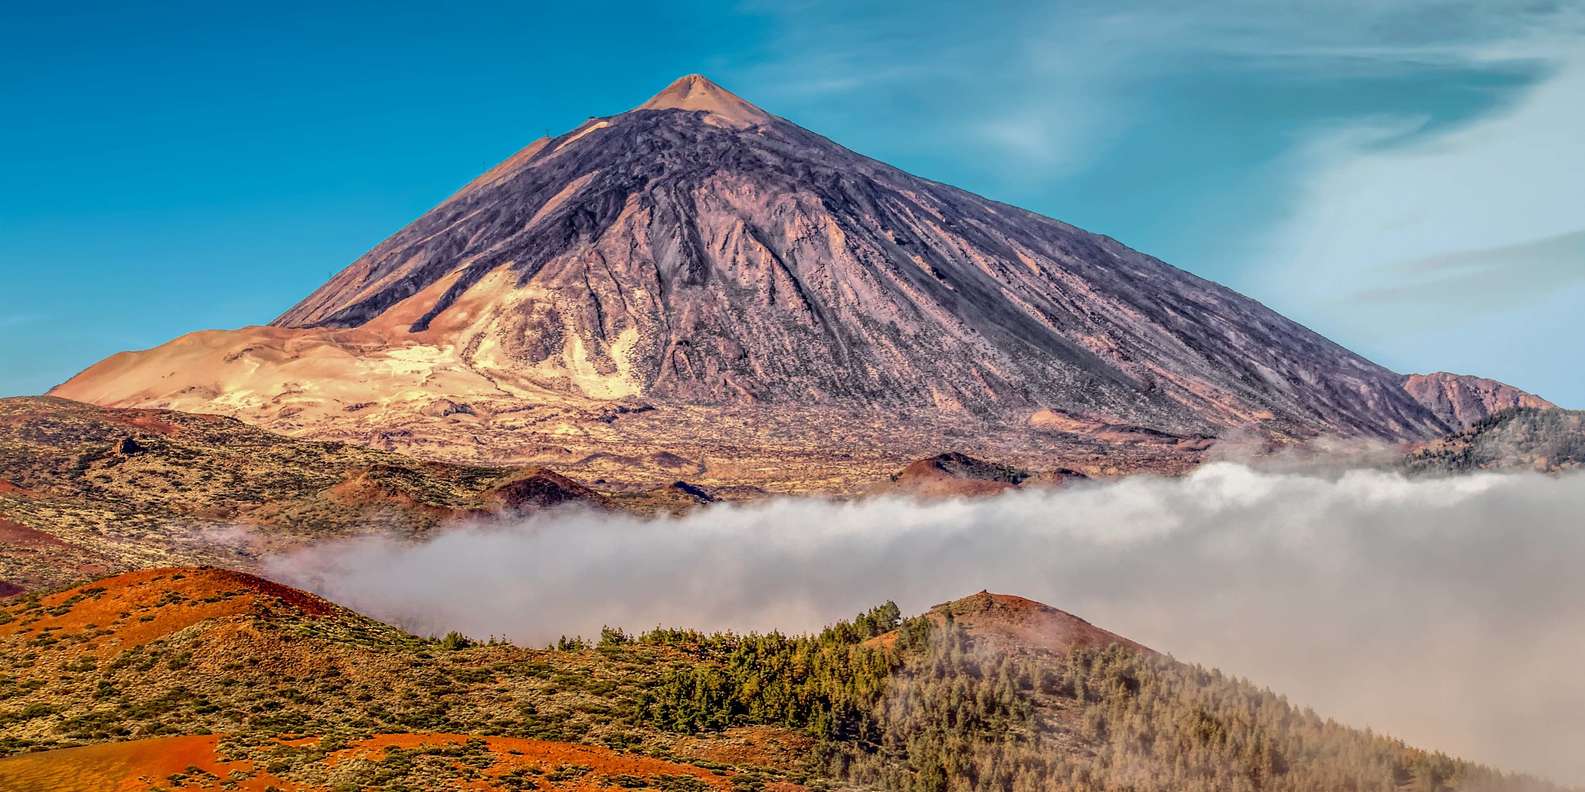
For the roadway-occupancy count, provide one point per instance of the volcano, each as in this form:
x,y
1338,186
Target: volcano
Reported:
x,y
703,256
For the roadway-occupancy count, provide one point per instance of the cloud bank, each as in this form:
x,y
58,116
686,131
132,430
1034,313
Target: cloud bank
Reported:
x,y
1449,612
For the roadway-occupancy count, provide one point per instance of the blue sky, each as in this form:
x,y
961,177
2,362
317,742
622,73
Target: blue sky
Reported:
x,y
1405,178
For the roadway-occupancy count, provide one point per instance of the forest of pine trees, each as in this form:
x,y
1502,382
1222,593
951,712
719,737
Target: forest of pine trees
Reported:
x,y
932,712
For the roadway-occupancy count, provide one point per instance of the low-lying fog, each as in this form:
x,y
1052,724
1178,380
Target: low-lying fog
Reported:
x,y
1449,612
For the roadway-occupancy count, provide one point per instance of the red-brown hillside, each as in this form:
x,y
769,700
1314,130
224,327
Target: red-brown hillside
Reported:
x,y
1005,621
1461,400
117,613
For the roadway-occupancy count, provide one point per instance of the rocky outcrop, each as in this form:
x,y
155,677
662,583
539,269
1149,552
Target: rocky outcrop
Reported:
x,y
1461,401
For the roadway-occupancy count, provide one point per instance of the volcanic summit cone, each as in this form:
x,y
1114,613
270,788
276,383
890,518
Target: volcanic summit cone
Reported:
x,y
698,252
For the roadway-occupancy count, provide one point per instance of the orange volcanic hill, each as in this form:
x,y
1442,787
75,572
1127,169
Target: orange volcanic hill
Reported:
x,y
118,613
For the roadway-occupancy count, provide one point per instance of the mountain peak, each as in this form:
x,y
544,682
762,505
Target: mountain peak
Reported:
x,y
702,253
695,92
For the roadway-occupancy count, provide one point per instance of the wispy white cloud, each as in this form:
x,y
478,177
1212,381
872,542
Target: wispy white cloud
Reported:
x,y
1452,248
1007,80
1487,280
1033,139
1055,82
1378,195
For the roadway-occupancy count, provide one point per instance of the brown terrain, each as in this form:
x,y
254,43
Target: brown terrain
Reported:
x,y
1012,622
1461,401
697,289
177,631
953,475
1008,623
957,475
86,491
101,615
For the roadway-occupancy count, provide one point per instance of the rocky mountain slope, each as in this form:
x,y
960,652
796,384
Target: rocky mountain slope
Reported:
x,y
1523,438
1461,401
719,267
202,679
